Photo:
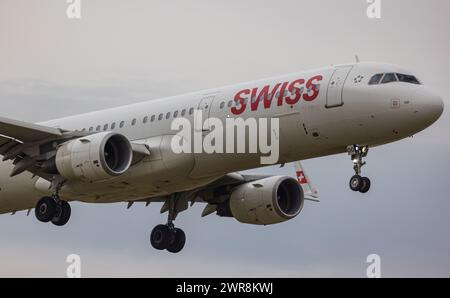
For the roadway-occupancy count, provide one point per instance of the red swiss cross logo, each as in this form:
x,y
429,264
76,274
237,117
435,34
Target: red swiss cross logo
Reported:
x,y
301,177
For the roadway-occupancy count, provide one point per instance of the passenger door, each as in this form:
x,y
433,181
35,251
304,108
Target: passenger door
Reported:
x,y
336,87
205,107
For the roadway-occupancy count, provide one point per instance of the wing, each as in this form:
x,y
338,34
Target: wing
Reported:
x,y
212,194
30,145
218,191
22,142
26,132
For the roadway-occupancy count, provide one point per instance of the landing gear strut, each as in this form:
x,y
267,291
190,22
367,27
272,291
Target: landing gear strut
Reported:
x,y
357,182
53,209
167,237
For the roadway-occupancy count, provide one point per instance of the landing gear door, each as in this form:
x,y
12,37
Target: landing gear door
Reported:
x,y
205,107
336,87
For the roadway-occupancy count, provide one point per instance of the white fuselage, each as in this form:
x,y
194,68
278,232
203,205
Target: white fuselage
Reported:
x,y
326,110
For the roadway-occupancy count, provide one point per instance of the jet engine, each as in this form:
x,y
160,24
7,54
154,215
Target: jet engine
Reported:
x,y
95,157
263,202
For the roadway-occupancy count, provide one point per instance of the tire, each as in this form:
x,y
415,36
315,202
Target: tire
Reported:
x,y
62,214
365,187
160,237
356,183
177,242
45,209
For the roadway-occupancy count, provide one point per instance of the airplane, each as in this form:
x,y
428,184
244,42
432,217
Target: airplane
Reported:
x,y
125,154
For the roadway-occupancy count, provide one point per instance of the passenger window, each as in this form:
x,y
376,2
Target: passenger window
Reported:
x,y
375,80
168,115
388,78
230,103
105,127
175,114
91,128
133,122
122,123
145,119
160,117
222,105
98,127
191,111
153,118
113,125
183,112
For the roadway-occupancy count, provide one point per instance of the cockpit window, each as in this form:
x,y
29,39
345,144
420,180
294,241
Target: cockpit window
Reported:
x,y
381,78
408,79
388,78
375,79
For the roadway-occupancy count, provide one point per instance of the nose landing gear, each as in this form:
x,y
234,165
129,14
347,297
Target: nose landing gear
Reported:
x,y
357,182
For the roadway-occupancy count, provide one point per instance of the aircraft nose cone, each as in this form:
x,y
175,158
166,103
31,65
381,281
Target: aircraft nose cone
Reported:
x,y
430,106
435,107
439,106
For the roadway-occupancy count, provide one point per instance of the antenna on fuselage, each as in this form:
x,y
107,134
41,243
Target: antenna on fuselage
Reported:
x,y
357,58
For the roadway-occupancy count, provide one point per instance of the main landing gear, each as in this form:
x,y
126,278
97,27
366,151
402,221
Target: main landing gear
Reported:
x,y
167,237
53,209
357,182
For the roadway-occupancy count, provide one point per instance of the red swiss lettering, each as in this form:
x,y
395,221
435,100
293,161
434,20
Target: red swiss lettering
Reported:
x,y
265,94
295,88
240,101
281,95
313,85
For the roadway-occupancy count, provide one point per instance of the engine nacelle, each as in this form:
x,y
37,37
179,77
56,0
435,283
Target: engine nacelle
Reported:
x,y
268,201
95,157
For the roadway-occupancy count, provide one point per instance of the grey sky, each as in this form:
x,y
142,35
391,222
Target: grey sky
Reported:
x,y
128,51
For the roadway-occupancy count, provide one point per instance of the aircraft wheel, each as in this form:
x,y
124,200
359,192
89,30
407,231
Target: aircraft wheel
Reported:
x,y
356,183
177,241
160,237
45,209
62,214
365,187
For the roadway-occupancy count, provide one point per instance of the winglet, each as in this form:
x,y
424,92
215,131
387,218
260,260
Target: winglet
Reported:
x,y
311,194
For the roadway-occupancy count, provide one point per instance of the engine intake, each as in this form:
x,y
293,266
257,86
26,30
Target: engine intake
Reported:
x,y
267,201
95,157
